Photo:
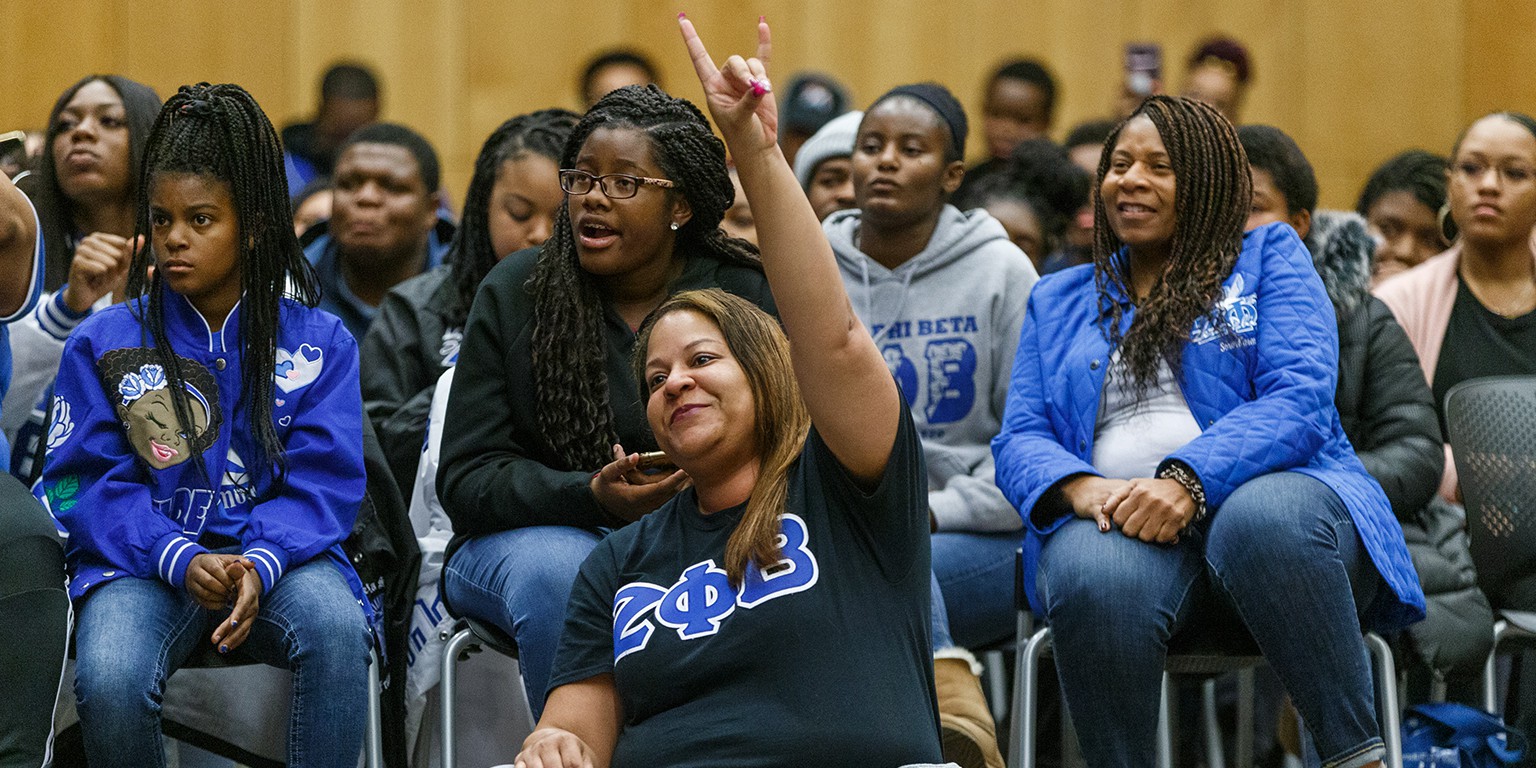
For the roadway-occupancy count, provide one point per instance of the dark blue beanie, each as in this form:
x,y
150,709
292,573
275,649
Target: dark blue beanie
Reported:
x,y
942,102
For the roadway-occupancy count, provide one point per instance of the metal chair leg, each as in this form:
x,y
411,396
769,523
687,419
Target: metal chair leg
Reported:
x,y
374,741
1243,744
996,683
446,686
1023,748
1165,724
1215,750
1386,698
1491,669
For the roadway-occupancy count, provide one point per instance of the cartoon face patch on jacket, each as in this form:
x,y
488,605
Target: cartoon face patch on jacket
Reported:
x,y
142,395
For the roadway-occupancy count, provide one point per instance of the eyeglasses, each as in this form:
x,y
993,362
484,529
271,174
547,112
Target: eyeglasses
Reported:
x,y
1475,170
617,186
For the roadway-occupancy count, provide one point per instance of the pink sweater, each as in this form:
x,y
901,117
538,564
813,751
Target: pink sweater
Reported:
x,y
1422,299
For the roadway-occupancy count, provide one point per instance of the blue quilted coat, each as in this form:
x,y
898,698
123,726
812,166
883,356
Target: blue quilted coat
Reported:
x,y
1262,391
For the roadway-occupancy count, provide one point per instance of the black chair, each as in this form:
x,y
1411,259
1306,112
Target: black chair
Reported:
x,y
1492,428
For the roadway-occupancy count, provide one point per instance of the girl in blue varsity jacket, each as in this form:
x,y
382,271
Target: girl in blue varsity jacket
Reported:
x,y
205,451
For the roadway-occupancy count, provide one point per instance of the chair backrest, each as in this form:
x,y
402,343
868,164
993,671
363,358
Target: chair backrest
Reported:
x,y
1492,426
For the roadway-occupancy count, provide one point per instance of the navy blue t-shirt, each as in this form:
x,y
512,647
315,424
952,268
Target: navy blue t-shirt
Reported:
x,y
824,662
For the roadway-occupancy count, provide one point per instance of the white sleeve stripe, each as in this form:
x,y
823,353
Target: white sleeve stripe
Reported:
x,y
35,285
167,551
170,570
266,557
271,577
53,320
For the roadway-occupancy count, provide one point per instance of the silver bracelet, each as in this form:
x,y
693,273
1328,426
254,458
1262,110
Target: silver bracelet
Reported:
x,y
1180,473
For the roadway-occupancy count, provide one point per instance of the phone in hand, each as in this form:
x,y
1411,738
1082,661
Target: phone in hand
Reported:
x,y
654,462
1143,68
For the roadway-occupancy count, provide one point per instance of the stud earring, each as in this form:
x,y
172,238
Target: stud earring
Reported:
x,y
674,226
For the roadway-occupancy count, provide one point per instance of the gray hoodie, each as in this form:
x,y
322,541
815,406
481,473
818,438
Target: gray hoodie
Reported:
x,y
948,324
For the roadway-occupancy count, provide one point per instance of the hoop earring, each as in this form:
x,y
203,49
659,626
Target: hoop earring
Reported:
x,y
1448,228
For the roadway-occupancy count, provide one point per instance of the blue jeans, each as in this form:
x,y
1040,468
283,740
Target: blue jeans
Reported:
x,y
133,633
1282,554
974,571
520,581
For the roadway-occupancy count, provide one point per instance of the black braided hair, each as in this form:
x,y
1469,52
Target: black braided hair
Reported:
x,y
54,209
471,256
1041,175
1212,197
1417,172
220,131
568,346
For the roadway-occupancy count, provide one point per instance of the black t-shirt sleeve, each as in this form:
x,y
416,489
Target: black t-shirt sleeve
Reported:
x,y
892,517
586,642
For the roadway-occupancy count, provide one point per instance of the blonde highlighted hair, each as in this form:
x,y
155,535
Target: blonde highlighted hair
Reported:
x,y
761,348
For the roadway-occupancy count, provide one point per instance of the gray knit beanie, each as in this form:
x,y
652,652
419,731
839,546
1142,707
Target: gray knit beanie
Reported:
x,y
835,139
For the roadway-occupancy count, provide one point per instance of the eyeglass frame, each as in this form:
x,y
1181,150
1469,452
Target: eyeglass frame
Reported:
x,y
601,182
1474,170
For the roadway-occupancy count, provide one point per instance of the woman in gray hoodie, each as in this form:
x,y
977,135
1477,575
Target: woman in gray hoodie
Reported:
x,y
944,293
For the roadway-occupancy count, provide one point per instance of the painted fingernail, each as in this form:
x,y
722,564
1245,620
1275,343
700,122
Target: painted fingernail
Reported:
x,y
759,87
1103,526
223,649
762,19
681,15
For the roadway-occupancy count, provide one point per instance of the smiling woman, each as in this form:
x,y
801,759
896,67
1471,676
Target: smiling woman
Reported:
x,y
1171,405
783,598
544,423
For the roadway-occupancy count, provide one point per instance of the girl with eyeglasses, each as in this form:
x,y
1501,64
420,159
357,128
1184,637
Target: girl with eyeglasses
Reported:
x,y
545,424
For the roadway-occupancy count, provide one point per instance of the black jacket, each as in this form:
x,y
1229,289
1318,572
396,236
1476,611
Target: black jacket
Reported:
x,y
407,348
1388,413
497,472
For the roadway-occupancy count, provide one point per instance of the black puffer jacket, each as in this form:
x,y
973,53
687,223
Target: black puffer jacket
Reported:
x,y
1389,415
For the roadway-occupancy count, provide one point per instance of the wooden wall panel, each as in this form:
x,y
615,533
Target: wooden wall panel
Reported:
x,y
1352,83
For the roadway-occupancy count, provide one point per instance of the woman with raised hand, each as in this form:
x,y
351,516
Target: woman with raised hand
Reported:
x,y
544,426
1172,443
775,613
86,194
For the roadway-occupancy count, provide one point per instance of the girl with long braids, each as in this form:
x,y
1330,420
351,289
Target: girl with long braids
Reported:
x,y
1171,441
511,205
85,192
544,425
775,613
205,450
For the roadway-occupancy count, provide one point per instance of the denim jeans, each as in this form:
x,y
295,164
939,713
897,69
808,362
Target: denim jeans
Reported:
x,y
520,581
133,633
974,571
1281,554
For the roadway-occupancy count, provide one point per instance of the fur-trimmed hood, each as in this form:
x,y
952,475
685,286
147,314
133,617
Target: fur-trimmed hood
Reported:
x,y
1344,253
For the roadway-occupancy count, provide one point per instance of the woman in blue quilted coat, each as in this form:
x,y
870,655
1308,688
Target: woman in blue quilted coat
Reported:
x,y
1171,441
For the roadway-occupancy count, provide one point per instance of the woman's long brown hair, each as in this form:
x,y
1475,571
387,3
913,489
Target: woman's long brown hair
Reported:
x,y
762,350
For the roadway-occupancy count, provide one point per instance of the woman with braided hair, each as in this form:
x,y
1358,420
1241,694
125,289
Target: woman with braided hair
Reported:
x,y
511,205
205,451
539,453
1171,441
776,613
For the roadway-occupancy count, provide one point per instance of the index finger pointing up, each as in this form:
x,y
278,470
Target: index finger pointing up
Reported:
x,y
703,65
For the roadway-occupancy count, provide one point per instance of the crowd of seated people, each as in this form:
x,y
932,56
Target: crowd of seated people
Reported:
x,y
737,417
